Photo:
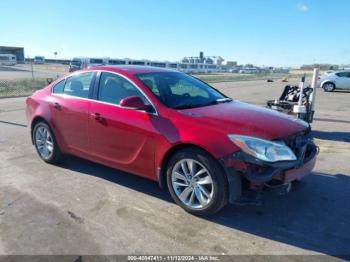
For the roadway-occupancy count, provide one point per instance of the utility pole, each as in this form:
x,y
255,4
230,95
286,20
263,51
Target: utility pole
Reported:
x,y
55,53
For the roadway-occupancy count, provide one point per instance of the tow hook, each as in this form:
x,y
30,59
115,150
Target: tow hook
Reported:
x,y
280,188
288,187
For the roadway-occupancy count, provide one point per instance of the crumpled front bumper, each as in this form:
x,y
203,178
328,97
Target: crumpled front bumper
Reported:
x,y
259,171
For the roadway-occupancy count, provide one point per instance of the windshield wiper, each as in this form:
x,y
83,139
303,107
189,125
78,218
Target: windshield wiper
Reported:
x,y
184,106
222,100
217,101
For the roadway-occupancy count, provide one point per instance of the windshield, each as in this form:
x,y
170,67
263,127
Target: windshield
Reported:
x,y
180,91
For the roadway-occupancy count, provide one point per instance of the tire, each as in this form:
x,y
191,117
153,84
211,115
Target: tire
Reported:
x,y
328,87
186,187
52,154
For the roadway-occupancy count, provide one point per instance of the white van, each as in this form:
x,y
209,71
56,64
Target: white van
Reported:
x,y
78,63
8,59
39,60
116,61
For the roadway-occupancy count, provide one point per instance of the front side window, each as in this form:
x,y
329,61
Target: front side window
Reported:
x,y
342,74
113,88
179,91
79,85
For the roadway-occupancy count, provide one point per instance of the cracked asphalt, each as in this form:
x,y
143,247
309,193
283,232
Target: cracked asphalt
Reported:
x,y
80,207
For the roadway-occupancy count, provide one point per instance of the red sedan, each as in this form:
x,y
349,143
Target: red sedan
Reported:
x,y
172,128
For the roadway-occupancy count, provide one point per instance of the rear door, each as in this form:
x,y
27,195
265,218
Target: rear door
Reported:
x,y
342,80
70,110
120,137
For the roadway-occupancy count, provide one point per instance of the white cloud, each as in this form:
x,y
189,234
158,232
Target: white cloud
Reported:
x,y
302,7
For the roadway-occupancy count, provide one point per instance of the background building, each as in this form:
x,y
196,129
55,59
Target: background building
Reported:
x,y
17,51
201,59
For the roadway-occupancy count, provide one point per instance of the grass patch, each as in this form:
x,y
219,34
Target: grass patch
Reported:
x,y
22,87
229,77
215,78
25,87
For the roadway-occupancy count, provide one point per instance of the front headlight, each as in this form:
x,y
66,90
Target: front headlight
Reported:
x,y
263,149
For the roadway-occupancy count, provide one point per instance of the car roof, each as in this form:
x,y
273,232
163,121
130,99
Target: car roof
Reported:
x,y
132,69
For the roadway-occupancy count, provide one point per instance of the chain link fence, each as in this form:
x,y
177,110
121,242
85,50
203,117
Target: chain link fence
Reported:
x,y
20,87
24,79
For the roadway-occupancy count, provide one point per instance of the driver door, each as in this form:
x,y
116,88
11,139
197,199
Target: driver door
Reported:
x,y
342,80
119,137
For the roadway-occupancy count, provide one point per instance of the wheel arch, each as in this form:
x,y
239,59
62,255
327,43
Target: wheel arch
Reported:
x,y
161,170
328,81
36,120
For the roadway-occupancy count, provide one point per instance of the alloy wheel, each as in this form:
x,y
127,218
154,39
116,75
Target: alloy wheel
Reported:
x,y
44,142
328,87
192,183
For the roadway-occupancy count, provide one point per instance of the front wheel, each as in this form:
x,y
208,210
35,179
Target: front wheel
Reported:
x,y
196,182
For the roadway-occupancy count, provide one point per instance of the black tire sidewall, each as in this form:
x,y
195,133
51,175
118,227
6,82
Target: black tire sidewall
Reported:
x,y
220,183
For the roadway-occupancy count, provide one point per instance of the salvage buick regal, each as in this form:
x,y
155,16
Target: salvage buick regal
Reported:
x,y
201,145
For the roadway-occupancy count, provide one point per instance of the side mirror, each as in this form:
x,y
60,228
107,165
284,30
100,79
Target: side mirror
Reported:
x,y
135,102
49,80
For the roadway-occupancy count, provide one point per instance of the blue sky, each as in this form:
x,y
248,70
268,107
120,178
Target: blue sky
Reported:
x,y
270,32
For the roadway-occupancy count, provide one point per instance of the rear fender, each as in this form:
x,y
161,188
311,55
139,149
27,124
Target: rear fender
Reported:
x,y
38,110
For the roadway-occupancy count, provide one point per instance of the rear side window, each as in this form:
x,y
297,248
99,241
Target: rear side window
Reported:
x,y
58,88
113,88
79,85
343,74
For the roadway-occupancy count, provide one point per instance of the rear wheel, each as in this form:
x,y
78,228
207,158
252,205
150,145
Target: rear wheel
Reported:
x,y
45,143
196,182
328,87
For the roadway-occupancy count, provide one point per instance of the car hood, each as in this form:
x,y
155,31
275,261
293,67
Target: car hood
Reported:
x,y
241,118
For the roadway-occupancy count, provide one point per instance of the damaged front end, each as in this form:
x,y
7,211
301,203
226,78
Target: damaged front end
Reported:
x,y
258,174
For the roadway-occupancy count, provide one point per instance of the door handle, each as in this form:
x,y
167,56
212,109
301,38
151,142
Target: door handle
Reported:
x,y
97,117
57,106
